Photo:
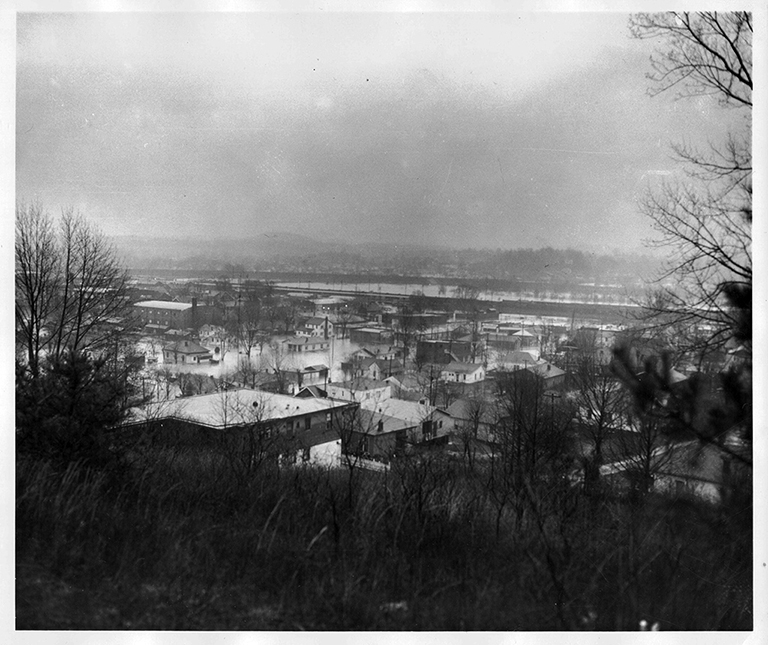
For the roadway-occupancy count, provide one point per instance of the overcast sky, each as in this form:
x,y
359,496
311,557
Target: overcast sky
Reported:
x,y
463,129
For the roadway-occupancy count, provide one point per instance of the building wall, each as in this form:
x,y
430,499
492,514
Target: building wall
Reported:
x,y
377,446
370,336
169,356
463,377
303,431
162,316
312,346
346,394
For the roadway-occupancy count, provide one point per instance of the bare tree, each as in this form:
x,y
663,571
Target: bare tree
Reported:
x,y
530,446
165,378
600,402
253,438
74,372
704,219
707,53
467,296
411,325
69,283
37,281
279,362
474,426
647,449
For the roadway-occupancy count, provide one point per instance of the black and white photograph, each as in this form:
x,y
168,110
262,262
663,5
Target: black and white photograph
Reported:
x,y
417,317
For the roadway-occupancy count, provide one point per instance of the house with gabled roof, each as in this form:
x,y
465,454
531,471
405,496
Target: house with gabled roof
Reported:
x,y
384,352
688,469
311,391
379,369
552,376
473,423
316,327
186,351
375,435
426,420
371,367
309,375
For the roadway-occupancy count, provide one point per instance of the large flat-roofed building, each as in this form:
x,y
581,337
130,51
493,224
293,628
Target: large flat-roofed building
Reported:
x,y
178,315
208,419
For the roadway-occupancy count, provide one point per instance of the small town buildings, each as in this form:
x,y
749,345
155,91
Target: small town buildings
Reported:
x,y
212,334
148,289
360,389
370,334
442,351
296,379
311,391
687,469
373,361
303,344
501,342
379,369
422,417
410,386
187,352
510,360
307,425
421,321
316,327
472,419
176,334
596,336
330,305
552,376
154,330
178,315
525,339
463,372
378,436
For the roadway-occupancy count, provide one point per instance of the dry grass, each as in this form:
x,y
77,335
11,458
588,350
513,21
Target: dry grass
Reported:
x,y
180,544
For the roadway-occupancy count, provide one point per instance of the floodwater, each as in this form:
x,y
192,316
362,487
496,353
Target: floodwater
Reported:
x,y
436,291
266,359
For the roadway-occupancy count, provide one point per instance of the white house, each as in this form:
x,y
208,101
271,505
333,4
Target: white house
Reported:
x,y
360,389
316,327
307,344
463,372
186,351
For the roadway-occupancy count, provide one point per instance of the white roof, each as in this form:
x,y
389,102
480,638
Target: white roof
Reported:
x,y
305,340
163,304
410,411
232,408
462,368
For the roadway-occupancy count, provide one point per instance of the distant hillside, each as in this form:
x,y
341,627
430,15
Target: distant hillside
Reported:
x,y
296,253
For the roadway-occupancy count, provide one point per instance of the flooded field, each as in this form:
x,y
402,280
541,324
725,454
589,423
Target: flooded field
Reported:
x,y
443,291
266,359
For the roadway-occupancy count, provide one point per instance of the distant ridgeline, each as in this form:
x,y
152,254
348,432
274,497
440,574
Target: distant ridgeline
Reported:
x,y
290,256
